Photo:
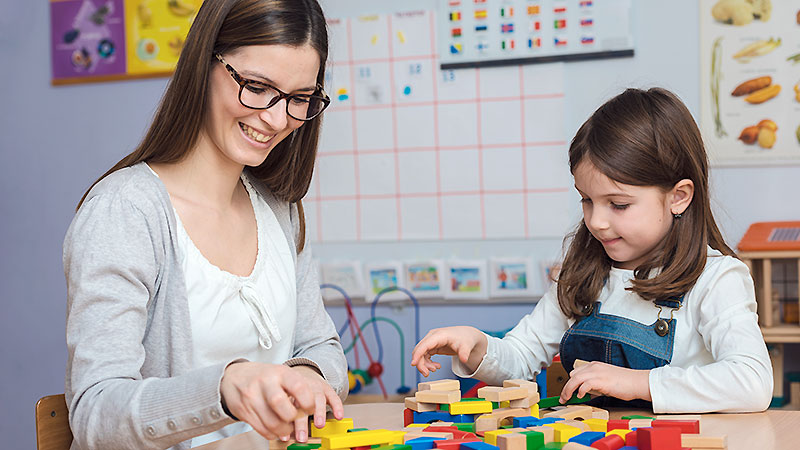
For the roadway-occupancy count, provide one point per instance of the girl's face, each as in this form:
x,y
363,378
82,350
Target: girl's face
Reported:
x,y
246,136
630,221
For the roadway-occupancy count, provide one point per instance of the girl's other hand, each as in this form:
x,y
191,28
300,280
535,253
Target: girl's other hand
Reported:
x,y
276,399
597,378
467,342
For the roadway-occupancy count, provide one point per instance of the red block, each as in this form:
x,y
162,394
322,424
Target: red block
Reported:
x,y
610,442
658,438
457,434
618,425
408,417
453,444
630,438
686,426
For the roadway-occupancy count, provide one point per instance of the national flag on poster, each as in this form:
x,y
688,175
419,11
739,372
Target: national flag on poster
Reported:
x,y
481,28
560,23
533,10
454,2
480,1
560,10
587,22
455,32
534,42
559,42
507,28
587,40
480,13
506,11
455,16
507,44
585,3
482,46
536,26
455,48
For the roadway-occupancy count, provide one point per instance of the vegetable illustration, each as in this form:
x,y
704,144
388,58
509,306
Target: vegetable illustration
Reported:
x,y
797,92
755,49
741,12
763,133
751,86
716,56
762,95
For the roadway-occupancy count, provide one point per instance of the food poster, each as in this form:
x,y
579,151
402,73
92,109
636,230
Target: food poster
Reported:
x,y
750,70
155,31
87,38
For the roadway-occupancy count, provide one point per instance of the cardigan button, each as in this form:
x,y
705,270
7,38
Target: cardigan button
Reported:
x,y
214,414
196,420
151,431
171,424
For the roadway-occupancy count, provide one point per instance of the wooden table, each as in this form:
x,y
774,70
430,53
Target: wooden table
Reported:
x,y
771,430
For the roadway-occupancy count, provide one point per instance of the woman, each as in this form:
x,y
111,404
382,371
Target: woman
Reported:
x,y
192,301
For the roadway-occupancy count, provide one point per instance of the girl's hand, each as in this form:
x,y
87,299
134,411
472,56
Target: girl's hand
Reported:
x,y
276,399
467,342
605,379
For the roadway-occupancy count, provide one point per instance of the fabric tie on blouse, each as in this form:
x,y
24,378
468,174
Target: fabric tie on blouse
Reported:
x,y
261,316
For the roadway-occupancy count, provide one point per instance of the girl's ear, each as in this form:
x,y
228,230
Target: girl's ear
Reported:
x,y
681,196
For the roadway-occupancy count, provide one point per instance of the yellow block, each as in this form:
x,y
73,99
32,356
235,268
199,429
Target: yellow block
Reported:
x,y
362,439
619,432
490,437
535,411
505,404
597,424
470,408
418,425
332,426
562,432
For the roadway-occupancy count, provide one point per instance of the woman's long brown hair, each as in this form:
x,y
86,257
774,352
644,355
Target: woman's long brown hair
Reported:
x,y
222,26
643,138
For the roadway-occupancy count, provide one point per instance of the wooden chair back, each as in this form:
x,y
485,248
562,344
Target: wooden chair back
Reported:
x,y
52,423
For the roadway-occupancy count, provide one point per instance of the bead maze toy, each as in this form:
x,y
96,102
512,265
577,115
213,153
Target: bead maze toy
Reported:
x,y
511,417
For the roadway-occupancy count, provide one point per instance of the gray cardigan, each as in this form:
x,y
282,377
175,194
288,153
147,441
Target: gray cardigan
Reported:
x,y
129,381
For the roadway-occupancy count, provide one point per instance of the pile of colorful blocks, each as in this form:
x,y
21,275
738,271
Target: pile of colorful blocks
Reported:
x,y
511,417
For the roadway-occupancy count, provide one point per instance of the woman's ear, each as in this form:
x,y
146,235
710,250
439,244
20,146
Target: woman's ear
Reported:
x,y
680,196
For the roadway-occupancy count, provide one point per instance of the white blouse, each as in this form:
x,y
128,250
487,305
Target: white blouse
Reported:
x,y
251,317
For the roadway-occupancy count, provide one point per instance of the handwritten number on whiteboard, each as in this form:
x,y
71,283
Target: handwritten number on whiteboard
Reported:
x,y
448,76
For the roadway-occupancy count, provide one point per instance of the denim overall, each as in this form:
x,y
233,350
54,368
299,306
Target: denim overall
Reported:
x,y
621,342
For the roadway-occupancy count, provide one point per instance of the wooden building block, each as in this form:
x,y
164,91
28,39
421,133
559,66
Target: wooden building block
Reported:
x,y
532,387
681,417
512,441
483,407
686,426
597,424
572,412
490,437
527,402
619,432
577,424
502,394
432,396
332,426
562,432
362,438
439,385
548,432
599,413
430,434
640,423
698,441
658,439
618,423
575,446
454,444
498,418
414,405
610,442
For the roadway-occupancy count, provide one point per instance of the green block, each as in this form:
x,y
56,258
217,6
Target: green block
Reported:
x,y
444,407
468,427
534,440
548,402
575,400
554,445
299,446
495,405
505,427
636,416
357,429
472,399
392,447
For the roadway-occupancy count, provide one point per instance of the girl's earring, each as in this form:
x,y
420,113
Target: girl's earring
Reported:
x,y
677,216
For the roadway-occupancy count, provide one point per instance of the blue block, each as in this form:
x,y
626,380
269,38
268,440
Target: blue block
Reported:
x,y
422,443
525,422
628,447
461,418
547,420
478,446
587,438
432,416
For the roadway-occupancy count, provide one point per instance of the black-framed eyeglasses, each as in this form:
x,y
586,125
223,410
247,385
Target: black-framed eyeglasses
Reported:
x,y
259,95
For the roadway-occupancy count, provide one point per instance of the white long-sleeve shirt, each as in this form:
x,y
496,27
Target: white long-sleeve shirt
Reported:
x,y
719,363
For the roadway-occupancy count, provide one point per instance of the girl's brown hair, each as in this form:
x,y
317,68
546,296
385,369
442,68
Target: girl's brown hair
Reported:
x,y
222,26
642,138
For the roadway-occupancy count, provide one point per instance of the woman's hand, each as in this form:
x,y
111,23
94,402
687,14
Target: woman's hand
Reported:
x,y
467,342
276,399
597,378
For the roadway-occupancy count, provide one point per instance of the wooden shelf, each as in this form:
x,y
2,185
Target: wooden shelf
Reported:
x,y
781,334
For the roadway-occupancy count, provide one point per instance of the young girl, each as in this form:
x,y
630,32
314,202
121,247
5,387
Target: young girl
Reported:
x,y
648,291
192,299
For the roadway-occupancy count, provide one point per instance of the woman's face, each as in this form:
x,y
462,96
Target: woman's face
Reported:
x,y
243,135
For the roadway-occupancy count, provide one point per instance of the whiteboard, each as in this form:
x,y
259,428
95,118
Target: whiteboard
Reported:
x,y
409,152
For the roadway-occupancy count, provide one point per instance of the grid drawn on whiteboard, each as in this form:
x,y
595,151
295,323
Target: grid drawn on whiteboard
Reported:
x,y
411,152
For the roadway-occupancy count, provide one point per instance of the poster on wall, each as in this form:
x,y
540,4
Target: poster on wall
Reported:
x,y
101,40
750,81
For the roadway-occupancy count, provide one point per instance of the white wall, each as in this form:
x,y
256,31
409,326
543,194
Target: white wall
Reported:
x,y
55,141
